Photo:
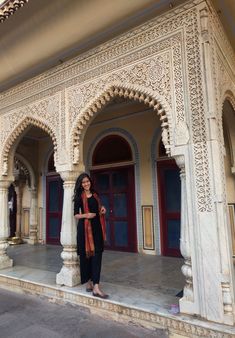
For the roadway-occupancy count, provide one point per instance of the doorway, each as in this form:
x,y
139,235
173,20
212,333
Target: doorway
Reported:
x,y
115,182
117,193
54,203
170,206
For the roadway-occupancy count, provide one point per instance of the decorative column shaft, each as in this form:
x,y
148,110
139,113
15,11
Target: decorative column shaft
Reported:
x,y
5,261
188,297
33,222
70,272
19,187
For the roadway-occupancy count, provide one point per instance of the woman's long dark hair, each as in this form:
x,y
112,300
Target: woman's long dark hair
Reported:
x,y
78,186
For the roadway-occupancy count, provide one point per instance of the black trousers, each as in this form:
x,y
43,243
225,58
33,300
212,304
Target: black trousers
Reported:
x,y
90,268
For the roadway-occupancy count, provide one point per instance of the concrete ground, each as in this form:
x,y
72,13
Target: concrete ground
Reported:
x,y
26,316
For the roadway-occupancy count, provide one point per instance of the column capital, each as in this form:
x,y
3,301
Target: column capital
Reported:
x,y
69,176
4,184
180,161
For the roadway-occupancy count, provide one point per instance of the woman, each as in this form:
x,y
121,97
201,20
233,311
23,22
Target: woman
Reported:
x,y
91,233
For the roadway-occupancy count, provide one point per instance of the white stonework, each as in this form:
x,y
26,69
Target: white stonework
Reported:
x,y
70,273
182,66
5,261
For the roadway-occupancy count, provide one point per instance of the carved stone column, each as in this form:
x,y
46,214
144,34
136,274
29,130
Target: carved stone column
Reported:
x,y
70,272
19,192
33,222
5,261
188,296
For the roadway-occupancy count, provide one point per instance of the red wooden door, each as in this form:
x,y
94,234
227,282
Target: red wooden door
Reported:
x,y
54,205
117,192
170,204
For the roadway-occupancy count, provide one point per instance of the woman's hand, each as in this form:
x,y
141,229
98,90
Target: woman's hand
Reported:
x,y
102,210
90,215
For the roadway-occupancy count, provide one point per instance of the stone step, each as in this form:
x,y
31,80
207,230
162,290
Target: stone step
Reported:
x,y
176,325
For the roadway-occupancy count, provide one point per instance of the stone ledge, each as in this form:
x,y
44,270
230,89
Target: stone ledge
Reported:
x,y
178,325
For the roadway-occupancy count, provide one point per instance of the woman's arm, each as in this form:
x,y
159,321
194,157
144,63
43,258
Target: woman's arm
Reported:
x,y
88,215
102,210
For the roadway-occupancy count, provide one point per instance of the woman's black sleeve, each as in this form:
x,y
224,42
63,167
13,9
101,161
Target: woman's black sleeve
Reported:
x,y
77,206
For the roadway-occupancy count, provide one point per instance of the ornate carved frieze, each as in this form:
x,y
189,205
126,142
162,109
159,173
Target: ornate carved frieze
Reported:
x,y
161,56
9,7
116,53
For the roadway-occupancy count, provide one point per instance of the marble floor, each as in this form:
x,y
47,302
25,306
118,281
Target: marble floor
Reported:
x,y
144,281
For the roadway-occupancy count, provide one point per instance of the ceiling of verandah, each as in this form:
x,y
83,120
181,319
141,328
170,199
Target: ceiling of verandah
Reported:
x,y
45,33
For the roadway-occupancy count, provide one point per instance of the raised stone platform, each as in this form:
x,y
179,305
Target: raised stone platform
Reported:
x,y
137,302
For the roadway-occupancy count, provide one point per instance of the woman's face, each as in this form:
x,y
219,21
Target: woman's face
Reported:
x,y
86,184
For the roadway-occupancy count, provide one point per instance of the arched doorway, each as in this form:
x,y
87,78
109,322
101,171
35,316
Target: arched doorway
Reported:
x,y
54,203
113,175
229,166
169,192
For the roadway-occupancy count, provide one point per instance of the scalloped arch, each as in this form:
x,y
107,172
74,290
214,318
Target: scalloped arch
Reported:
x,y
228,95
22,125
112,91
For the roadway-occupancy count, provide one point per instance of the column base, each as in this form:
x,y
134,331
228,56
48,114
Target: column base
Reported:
x,y
187,307
68,276
32,241
5,260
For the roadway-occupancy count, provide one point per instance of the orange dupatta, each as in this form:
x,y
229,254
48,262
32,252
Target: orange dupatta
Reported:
x,y
89,241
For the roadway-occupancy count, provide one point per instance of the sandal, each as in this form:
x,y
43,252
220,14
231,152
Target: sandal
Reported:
x,y
89,289
104,296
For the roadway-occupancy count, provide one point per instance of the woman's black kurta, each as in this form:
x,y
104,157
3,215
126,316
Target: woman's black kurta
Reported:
x,y
95,225
89,267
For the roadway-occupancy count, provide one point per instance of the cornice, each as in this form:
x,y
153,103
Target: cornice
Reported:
x,y
9,7
111,50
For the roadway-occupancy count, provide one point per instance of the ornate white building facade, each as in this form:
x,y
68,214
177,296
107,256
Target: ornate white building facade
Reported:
x,y
181,67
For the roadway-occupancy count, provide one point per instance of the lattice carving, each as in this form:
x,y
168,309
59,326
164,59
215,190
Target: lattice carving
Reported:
x,y
167,49
101,101
9,7
16,133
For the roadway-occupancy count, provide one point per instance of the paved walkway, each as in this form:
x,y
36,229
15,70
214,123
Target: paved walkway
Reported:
x,y
24,316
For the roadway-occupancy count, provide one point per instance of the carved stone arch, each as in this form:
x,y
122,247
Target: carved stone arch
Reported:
x,y
229,127
132,92
20,160
228,96
19,129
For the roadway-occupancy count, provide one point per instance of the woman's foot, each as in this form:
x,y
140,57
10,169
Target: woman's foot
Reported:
x,y
99,293
89,286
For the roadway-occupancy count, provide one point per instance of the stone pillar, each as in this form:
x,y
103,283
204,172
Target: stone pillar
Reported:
x,y
186,303
33,223
19,192
69,275
5,261
216,273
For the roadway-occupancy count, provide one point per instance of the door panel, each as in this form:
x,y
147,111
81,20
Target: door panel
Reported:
x,y
54,205
170,205
116,189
